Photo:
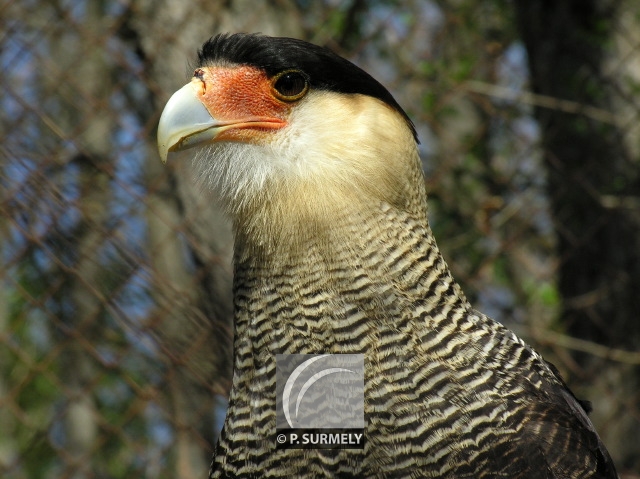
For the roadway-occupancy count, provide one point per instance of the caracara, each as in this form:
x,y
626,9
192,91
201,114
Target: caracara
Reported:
x,y
317,166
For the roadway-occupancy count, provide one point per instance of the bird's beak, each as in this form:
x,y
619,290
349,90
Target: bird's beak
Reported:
x,y
185,123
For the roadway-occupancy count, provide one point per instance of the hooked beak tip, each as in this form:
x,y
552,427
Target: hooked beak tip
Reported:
x,y
184,123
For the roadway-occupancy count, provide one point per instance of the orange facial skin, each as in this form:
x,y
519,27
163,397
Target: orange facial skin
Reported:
x,y
242,98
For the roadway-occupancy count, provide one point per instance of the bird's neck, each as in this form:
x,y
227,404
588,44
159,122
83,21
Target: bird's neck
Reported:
x,y
333,282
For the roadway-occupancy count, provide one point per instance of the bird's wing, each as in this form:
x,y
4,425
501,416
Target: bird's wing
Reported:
x,y
558,433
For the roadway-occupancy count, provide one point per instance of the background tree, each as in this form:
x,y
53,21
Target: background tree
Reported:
x,y
593,168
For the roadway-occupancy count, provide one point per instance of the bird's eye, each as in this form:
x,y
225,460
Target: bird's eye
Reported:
x,y
290,85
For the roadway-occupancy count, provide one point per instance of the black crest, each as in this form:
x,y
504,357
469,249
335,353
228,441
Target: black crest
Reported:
x,y
324,69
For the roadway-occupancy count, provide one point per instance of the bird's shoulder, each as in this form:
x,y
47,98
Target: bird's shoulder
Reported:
x,y
557,435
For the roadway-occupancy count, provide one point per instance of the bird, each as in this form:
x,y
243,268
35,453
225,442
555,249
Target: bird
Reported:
x,y
318,168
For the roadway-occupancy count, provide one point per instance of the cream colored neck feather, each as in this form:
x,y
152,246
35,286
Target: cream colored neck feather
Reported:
x,y
339,155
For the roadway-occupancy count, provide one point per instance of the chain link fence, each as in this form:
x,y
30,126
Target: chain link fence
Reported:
x,y
115,271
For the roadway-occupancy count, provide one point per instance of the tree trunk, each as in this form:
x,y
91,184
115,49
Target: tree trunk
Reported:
x,y
592,177
590,173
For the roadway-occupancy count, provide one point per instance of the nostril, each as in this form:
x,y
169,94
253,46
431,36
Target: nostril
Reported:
x,y
201,85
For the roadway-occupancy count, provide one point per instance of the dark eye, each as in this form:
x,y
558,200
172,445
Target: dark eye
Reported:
x,y
290,85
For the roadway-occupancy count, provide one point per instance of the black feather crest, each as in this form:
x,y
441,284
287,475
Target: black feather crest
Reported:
x,y
324,69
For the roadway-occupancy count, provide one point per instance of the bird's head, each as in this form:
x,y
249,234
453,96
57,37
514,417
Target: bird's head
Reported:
x,y
283,124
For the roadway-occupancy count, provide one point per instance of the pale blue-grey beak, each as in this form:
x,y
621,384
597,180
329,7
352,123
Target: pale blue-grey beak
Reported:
x,y
185,123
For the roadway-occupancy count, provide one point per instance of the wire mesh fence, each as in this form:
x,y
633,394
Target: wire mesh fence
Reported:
x,y
115,273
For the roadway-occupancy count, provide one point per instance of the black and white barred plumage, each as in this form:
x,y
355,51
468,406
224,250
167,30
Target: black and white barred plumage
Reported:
x,y
334,254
